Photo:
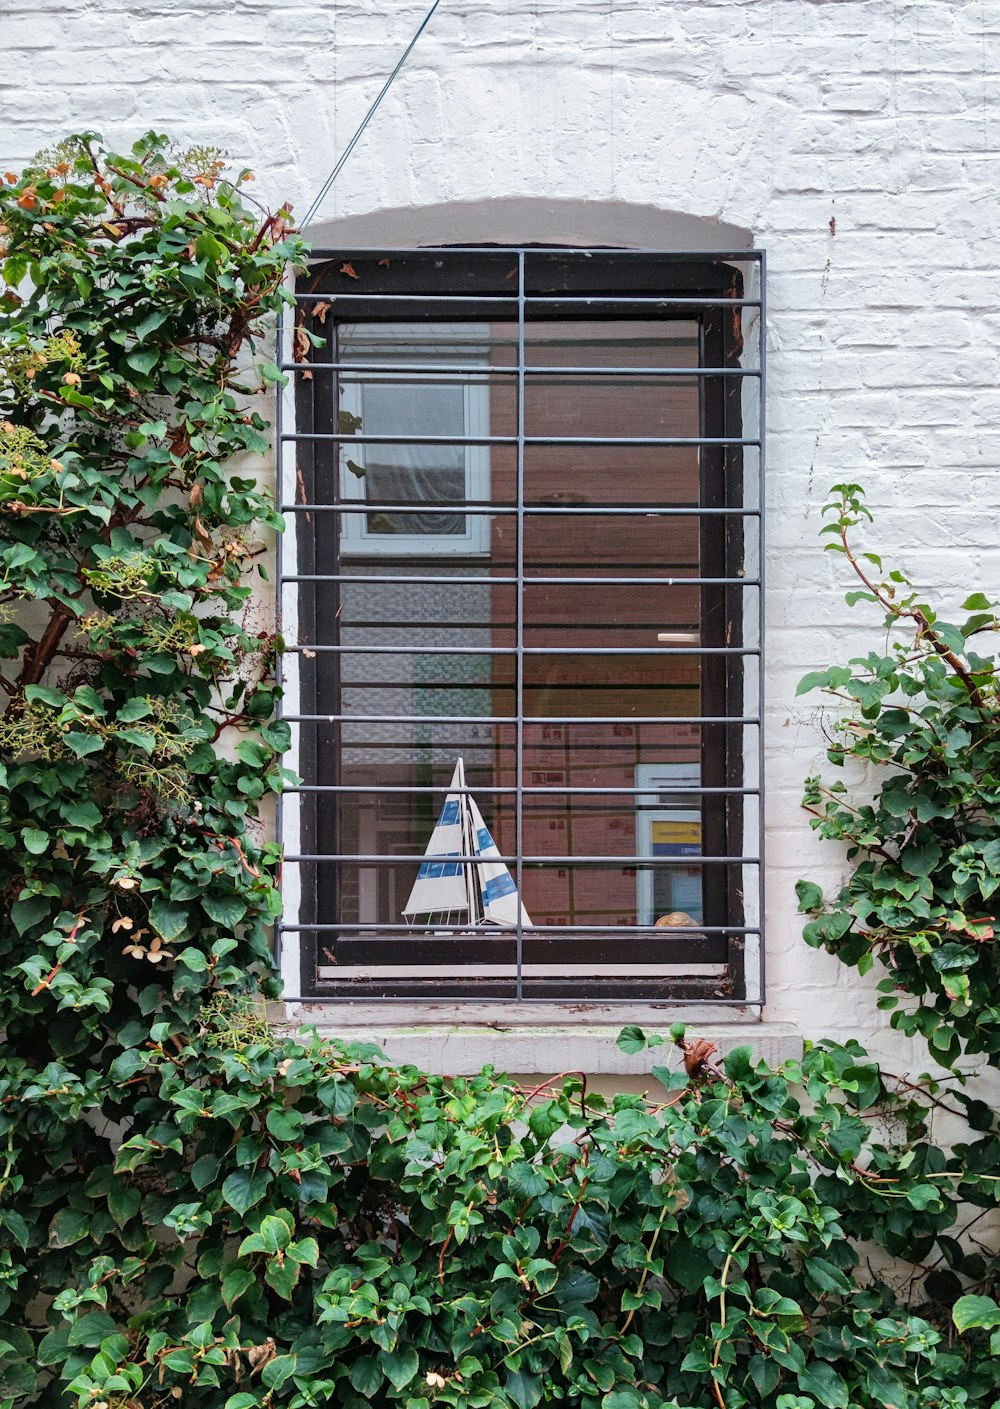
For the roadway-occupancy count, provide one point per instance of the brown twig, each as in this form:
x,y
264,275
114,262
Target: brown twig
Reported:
x,y
564,1240
37,658
925,629
559,1076
68,940
444,1249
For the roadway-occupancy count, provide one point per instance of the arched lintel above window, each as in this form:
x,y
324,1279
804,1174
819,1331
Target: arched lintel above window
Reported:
x,y
524,220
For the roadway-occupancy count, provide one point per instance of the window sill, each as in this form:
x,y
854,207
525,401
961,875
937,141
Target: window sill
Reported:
x,y
540,1037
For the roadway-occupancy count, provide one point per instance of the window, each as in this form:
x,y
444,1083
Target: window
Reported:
x,y
521,595
449,465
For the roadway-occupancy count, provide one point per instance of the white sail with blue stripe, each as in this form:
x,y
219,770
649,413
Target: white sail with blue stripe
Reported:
x,y
471,892
498,896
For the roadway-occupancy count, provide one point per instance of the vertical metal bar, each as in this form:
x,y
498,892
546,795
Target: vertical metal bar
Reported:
x,y
279,577
519,626
761,571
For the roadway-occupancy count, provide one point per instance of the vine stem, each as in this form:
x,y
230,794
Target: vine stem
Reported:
x,y
559,1076
52,972
37,659
560,1248
717,1350
924,627
444,1249
645,1271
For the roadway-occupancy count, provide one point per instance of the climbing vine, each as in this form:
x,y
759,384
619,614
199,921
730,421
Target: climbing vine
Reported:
x,y
197,1209
922,714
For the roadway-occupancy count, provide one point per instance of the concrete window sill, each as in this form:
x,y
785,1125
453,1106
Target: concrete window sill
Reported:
x,y
535,1038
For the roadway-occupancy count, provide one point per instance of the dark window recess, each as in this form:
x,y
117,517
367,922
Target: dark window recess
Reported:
x,y
521,592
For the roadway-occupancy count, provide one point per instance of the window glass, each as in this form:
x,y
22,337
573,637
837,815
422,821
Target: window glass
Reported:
x,y
528,629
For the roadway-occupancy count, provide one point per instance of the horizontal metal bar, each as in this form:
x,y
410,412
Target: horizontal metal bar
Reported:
x,y
449,686
437,989
680,632
613,862
505,296
534,790
397,931
575,441
485,650
482,508
372,579
480,370
530,720
461,939
531,252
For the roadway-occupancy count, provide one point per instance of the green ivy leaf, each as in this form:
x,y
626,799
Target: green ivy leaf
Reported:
x,y
255,754
168,919
83,744
54,1347
366,1376
244,1188
979,1312
525,1390
153,320
124,1202
277,1371
825,1385
282,1276
68,1227
810,897
44,694
86,815
235,1282
27,912
225,910
143,360
91,1329
35,841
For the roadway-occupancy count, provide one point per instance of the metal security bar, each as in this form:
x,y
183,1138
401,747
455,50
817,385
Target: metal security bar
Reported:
x,y
524,530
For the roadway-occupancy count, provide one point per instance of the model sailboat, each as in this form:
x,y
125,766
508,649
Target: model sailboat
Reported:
x,y
476,892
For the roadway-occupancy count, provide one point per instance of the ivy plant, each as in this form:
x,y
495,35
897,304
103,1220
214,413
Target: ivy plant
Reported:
x,y
921,713
295,1222
137,289
139,292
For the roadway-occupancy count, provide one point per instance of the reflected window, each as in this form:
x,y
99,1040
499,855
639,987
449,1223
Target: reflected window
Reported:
x,y
668,826
430,421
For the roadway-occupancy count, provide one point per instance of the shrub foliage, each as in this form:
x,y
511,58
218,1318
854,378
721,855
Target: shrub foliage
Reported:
x,y
922,714
196,1209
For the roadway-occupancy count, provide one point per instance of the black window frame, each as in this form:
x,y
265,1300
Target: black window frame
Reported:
x,y
430,284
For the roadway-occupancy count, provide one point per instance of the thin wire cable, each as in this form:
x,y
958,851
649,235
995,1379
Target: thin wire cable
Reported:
x,y
325,188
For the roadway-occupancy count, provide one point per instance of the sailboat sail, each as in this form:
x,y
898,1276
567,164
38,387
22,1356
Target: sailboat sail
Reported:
x,y
498,896
442,885
464,892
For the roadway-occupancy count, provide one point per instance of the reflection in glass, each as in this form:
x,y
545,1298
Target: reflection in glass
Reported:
x,y
423,474
576,706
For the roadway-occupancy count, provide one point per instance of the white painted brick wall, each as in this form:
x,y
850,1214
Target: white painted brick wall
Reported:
x,y
773,115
